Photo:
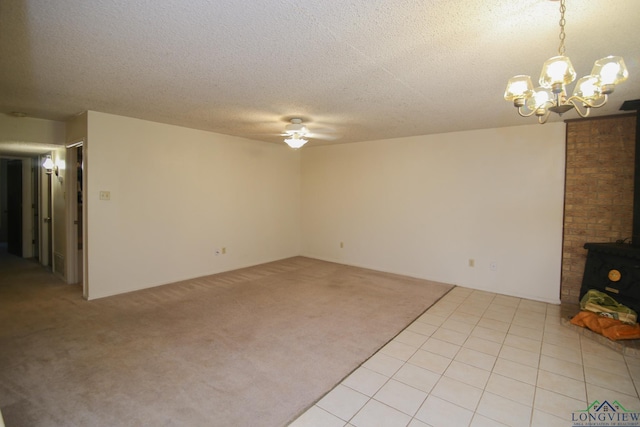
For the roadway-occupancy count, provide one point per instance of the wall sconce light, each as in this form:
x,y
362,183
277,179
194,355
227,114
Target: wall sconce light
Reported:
x,y
49,166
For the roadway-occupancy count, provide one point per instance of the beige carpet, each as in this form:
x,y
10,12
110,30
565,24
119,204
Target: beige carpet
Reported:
x,y
252,347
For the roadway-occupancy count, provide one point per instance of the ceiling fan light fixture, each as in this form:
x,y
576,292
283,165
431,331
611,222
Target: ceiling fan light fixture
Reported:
x,y
296,127
590,92
295,132
296,141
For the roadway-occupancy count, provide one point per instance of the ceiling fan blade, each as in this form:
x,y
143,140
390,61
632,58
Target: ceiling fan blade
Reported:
x,y
324,136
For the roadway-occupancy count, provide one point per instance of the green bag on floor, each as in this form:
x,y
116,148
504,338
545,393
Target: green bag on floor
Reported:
x,y
605,305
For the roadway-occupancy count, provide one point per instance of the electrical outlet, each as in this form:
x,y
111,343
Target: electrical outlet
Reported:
x,y
105,195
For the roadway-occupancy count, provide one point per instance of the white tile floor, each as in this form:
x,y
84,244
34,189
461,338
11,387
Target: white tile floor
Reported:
x,y
481,359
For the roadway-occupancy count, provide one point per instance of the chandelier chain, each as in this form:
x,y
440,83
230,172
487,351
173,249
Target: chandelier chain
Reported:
x,y
561,48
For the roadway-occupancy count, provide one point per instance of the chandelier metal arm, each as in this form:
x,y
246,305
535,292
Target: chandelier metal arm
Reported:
x,y
542,118
586,112
521,113
575,100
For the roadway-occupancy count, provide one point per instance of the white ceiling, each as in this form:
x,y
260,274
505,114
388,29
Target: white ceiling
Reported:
x,y
358,70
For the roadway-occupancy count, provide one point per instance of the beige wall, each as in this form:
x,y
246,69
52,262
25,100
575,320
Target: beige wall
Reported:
x,y
27,129
59,216
179,194
423,206
420,206
76,128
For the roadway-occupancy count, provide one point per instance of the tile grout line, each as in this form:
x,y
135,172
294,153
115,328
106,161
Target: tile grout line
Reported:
x,y
535,387
491,372
473,415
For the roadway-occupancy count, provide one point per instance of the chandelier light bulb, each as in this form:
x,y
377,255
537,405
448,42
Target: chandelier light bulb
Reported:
x,y
541,96
588,87
557,71
609,73
518,87
611,70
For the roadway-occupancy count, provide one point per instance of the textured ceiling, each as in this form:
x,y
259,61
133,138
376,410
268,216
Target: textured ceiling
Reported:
x,y
354,70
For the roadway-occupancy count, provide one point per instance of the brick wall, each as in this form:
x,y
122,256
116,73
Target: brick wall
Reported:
x,y
598,191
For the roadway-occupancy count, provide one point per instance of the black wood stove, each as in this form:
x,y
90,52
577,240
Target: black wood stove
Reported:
x,y
614,268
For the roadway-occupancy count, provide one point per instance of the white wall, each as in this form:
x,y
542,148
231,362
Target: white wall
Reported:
x,y
177,194
423,206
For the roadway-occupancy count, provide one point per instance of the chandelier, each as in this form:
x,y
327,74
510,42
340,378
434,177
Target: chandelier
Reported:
x,y
591,91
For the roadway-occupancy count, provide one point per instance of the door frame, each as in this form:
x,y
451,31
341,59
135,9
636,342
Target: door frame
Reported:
x,y
36,169
71,189
45,209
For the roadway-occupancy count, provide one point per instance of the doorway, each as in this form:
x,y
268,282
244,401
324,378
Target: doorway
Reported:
x,y
78,211
23,199
14,207
35,203
75,208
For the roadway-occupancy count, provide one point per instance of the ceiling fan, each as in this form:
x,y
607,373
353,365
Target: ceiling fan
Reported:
x,y
296,133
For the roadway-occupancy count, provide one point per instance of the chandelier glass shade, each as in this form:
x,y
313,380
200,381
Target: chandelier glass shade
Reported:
x,y
591,91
